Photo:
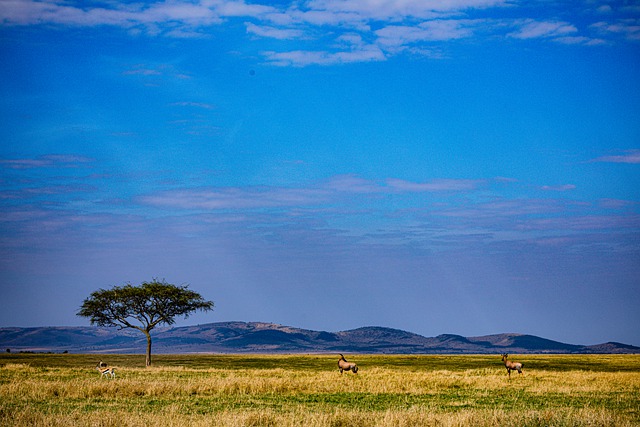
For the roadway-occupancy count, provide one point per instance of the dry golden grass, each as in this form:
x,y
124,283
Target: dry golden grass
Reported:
x,y
379,395
400,418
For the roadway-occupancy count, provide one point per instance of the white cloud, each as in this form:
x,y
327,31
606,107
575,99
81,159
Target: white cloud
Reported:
x,y
397,9
352,184
232,8
435,185
322,28
530,29
604,9
274,197
154,72
188,13
212,12
328,18
301,58
564,187
390,39
185,33
436,30
630,156
234,198
580,40
176,13
273,32
628,28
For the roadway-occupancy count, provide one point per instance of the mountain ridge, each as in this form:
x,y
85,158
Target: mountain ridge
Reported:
x,y
264,337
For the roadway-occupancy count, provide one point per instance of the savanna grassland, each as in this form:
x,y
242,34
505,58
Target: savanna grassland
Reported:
x,y
307,390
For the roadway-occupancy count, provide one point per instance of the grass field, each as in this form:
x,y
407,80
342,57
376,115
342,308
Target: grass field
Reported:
x,y
307,390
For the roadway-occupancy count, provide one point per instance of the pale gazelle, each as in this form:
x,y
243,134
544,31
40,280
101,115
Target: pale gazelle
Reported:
x,y
343,365
105,370
511,366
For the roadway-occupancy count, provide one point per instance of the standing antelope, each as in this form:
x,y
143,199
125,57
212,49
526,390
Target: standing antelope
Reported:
x,y
104,370
343,365
511,366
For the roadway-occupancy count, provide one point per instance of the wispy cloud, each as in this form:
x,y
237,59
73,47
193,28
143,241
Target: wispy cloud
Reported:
x,y
356,184
580,40
435,30
630,156
142,72
435,185
48,161
301,58
564,187
531,29
31,193
147,72
351,184
627,28
234,198
270,197
273,32
203,105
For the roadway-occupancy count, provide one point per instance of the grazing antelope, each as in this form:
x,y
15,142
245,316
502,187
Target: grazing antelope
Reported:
x,y
104,370
511,366
343,365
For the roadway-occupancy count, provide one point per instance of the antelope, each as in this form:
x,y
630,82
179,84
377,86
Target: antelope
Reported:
x,y
511,366
104,370
343,365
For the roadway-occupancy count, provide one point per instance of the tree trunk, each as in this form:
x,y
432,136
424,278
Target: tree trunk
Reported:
x,y
148,334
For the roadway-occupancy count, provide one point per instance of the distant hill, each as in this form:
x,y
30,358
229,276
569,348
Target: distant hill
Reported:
x,y
255,337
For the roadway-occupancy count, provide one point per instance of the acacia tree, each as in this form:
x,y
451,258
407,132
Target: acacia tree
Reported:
x,y
142,307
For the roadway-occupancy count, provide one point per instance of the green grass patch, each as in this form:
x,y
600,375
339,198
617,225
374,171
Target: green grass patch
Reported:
x,y
557,363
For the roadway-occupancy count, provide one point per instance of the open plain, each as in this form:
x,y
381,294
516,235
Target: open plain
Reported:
x,y
308,390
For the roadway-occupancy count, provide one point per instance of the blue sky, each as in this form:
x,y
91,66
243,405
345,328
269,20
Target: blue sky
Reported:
x,y
468,167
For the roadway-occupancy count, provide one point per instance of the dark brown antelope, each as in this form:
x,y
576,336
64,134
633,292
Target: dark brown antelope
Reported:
x,y
343,365
511,366
105,370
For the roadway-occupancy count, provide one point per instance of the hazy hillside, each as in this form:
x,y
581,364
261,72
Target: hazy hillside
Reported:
x,y
254,337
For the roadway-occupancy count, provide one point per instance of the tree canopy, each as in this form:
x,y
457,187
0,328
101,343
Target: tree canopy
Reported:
x,y
142,307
